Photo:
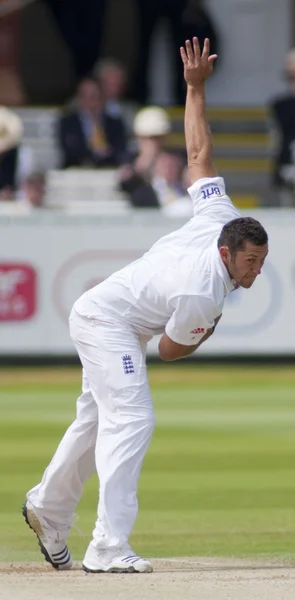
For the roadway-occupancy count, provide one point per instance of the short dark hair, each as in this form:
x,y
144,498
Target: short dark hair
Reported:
x,y
238,231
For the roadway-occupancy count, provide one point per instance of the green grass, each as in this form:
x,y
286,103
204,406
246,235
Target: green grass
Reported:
x,y
219,477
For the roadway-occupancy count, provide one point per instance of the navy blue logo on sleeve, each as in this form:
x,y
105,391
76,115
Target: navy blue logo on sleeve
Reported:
x,y
211,190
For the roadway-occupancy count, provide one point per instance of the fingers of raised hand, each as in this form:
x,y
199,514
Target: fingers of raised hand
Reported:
x,y
206,49
190,51
191,54
196,47
183,55
212,59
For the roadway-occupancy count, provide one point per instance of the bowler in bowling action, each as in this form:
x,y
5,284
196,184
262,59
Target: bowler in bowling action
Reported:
x,y
177,289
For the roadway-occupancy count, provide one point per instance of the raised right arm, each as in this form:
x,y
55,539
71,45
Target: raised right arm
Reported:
x,y
197,68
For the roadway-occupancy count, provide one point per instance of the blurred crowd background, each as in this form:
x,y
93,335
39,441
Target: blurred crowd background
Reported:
x,y
92,99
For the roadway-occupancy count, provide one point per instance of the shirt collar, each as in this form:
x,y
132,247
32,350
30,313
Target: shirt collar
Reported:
x,y
86,116
229,283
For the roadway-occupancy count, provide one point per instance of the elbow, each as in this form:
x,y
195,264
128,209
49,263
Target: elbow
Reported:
x,y
165,356
200,158
166,353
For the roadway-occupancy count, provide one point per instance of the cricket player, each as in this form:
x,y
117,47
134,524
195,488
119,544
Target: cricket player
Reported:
x,y
177,289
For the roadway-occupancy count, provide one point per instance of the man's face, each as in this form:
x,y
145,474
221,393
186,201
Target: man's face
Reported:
x,y
289,73
113,81
89,97
169,167
290,78
246,264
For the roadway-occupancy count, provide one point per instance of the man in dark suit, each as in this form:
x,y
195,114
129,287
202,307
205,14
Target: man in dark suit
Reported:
x,y
282,129
11,132
8,165
89,136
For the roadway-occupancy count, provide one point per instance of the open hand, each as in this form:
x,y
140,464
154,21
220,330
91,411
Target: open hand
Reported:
x,y
197,67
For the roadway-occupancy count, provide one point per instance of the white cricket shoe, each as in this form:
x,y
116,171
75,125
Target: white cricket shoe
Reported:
x,y
123,560
52,542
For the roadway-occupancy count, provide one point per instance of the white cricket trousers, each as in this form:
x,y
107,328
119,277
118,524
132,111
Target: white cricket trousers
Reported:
x,y
112,431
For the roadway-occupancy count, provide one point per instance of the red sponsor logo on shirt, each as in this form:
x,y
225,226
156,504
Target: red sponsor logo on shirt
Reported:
x,y
17,292
198,330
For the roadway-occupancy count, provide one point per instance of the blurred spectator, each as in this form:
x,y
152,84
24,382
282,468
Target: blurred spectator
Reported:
x,y
81,25
88,135
186,19
11,131
181,206
151,127
26,164
282,112
32,192
112,77
167,179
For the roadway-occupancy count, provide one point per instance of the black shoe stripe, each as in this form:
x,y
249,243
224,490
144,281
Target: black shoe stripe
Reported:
x,y
63,562
60,558
61,553
131,559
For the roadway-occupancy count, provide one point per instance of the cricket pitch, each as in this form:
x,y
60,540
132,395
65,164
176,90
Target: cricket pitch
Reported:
x,y
173,579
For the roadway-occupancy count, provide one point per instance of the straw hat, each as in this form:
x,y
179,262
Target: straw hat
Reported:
x,y
11,129
151,121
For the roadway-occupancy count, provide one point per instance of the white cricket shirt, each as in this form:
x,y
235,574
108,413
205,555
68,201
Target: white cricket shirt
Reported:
x,y
179,285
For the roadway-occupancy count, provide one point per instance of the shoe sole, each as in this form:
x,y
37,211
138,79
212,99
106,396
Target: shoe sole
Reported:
x,y
115,570
34,524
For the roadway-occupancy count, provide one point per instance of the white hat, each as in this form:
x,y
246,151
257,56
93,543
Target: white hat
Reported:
x,y
151,121
11,129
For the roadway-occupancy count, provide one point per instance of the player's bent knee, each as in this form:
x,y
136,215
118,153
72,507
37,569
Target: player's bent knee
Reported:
x,y
141,420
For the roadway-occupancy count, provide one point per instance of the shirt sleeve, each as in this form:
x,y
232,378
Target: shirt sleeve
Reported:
x,y
192,317
210,200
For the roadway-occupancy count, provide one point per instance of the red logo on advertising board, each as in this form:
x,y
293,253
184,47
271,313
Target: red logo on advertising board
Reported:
x,y
17,292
